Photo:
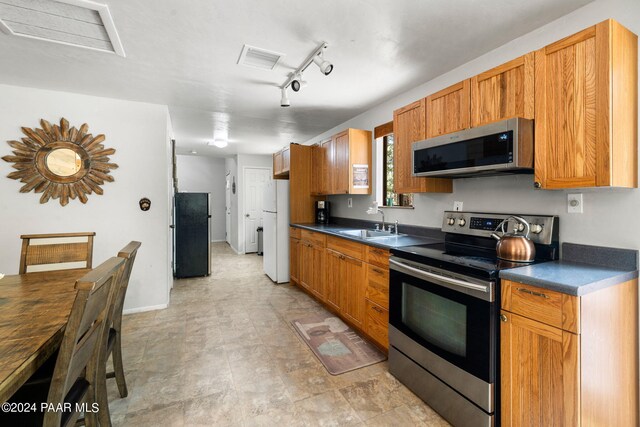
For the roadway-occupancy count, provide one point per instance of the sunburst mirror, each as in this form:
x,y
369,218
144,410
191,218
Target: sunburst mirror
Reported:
x,y
61,162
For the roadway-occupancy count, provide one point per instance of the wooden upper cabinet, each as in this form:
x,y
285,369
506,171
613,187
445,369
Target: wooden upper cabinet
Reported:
x,y
277,164
409,127
281,162
334,163
504,92
286,158
322,158
328,149
586,109
317,160
340,166
301,200
448,110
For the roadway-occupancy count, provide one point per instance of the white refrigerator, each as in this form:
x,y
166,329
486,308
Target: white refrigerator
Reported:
x,y
275,222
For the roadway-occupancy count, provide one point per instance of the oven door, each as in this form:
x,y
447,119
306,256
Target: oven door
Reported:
x,y
450,315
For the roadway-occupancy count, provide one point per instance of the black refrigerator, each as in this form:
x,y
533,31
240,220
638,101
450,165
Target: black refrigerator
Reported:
x,y
192,238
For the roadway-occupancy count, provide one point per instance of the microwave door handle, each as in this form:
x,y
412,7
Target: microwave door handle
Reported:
x,y
449,280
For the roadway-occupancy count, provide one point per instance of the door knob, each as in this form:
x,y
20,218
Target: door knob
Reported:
x,y
247,215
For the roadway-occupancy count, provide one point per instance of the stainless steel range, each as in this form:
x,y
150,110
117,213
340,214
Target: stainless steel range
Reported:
x,y
444,305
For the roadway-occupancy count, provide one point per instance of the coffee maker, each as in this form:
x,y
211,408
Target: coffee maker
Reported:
x,y
322,212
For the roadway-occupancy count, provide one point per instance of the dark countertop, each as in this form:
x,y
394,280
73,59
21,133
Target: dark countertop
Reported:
x,y
573,276
379,242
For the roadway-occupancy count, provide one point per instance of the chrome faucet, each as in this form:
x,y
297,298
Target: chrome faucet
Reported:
x,y
395,228
375,210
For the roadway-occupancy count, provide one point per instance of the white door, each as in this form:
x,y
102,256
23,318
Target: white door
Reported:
x,y
255,181
227,203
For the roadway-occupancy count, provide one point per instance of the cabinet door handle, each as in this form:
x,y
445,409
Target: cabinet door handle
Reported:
x,y
503,318
378,271
379,310
341,256
535,294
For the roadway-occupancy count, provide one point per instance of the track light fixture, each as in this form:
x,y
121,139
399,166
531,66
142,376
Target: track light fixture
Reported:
x,y
284,99
325,66
297,83
295,79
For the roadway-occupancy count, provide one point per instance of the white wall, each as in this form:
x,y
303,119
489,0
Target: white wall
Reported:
x,y
139,133
247,161
205,175
610,216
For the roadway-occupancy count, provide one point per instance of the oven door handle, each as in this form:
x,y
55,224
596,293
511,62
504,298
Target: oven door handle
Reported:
x,y
449,280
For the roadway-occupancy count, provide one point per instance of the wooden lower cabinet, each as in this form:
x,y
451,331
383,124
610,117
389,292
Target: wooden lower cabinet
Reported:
x,y
569,360
334,278
377,323
352,287
294,260
539,372
312,268
336,272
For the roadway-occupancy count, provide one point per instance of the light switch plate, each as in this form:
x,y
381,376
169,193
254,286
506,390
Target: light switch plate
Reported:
x,y
457,206
575,203
349,202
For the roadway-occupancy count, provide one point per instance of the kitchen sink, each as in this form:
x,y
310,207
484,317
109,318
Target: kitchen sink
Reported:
x,y
368,234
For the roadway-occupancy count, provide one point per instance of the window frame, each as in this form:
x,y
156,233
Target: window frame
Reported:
x,y
382,132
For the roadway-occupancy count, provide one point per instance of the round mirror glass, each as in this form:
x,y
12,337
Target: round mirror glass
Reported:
x,y
63,162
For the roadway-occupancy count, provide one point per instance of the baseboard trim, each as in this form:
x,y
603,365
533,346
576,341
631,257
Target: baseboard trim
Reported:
x,y
143,309
218,241
235,250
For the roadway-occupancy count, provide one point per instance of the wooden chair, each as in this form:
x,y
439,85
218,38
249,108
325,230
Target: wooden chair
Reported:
x,y
71,375
114,343
45,253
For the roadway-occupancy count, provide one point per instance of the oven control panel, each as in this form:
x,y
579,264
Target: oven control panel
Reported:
x,y
543,229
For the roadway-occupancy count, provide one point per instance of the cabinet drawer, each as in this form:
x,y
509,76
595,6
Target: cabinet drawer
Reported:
x,y
318,239
294,232
377,323
378,286
346,247
543,305
377,256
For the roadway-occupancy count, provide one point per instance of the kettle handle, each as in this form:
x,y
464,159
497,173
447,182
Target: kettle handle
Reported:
x,y
517,218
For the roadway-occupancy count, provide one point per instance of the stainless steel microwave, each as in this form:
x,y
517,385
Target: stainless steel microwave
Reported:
x,y
497,148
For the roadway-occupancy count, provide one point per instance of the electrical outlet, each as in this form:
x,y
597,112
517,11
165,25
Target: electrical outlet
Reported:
x,y
457,206
349,202
574,203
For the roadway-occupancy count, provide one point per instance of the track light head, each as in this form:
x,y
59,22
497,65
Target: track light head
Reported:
x,y
325,66
284,99
297,83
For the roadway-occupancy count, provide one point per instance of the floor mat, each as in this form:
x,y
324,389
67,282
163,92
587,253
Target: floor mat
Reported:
x,y
339,348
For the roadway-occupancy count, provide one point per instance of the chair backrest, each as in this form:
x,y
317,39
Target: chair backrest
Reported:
x,y
128,253
76,366
44,250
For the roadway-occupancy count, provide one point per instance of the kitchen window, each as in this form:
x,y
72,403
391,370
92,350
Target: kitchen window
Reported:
x,y
386,195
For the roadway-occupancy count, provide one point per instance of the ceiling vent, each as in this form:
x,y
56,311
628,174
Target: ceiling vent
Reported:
x,y
80,23
258,58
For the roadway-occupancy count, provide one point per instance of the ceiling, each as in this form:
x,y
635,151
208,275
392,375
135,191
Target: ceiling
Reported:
x,y
184,53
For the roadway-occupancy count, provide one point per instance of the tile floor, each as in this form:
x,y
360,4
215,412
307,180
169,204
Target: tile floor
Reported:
x,y
225,354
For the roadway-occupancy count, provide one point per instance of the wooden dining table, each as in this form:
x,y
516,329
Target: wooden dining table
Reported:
x,y
34,309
